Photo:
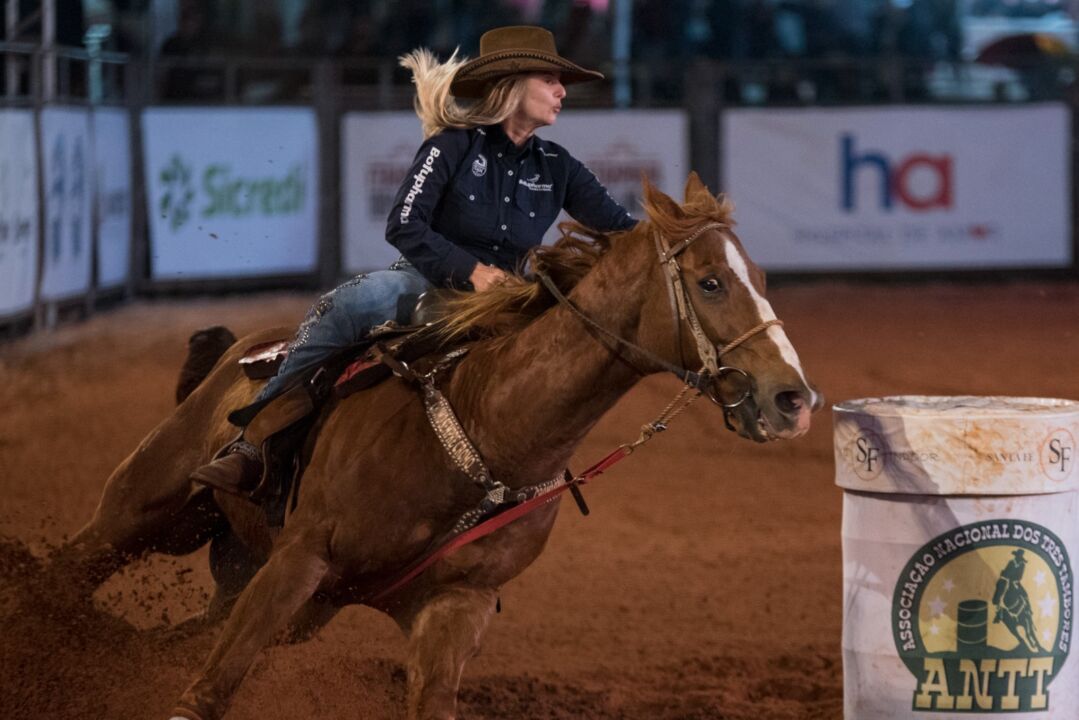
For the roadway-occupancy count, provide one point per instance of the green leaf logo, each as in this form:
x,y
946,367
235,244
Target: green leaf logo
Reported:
x,y
179,192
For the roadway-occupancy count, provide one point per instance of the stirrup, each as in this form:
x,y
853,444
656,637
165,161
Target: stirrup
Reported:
x,y
236,469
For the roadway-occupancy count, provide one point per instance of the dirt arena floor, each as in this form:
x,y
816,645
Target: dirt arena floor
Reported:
x,y
707,582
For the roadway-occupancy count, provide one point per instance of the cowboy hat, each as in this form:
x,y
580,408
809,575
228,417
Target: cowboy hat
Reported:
x,y
511,50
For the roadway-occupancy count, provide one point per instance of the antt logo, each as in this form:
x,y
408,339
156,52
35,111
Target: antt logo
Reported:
x,y
896,179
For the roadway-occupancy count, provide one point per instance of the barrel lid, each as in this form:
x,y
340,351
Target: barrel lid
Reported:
x,y
957,445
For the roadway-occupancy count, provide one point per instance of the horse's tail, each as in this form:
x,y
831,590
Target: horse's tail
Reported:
x,y
204,349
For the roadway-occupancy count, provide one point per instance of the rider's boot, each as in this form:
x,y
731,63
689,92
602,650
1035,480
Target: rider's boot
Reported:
x,y
238,467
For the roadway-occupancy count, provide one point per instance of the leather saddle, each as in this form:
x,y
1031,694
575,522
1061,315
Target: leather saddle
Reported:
x,y
380,355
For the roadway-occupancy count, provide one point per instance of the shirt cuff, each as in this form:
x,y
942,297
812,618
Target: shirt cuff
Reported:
x,y
457,267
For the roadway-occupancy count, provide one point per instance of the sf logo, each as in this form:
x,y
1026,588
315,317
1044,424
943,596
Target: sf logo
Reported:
x,y
868,455
1058,454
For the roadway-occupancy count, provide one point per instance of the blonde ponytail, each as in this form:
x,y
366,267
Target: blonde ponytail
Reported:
x,y
438,109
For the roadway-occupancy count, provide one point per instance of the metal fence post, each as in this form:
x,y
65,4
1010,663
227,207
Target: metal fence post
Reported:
x,y
137,93
703,107
44,312
328,114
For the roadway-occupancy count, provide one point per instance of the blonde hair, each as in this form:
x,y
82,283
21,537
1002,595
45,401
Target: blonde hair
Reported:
x,y
438,109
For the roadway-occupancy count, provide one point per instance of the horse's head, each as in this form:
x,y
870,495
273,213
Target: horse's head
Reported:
x,y
758,376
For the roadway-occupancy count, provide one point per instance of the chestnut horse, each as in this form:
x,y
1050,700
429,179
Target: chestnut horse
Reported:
x,y
379,487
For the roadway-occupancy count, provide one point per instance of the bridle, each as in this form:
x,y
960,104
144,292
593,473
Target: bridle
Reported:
x,y
709,380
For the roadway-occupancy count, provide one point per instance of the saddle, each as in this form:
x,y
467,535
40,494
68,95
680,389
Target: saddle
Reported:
x,y
387,350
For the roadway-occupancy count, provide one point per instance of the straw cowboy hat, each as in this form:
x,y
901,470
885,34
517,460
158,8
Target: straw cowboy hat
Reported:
x,y
511,50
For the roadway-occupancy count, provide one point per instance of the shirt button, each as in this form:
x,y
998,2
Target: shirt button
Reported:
x,y
503,227
531,214
507,198
494,247
499,154
509,172
471,197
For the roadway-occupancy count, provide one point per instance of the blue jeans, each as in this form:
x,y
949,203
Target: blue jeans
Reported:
x,y
343,316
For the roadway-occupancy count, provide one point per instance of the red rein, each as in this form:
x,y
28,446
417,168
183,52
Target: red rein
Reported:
x,y
501,520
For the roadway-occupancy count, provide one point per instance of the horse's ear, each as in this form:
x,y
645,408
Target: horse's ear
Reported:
x,y
656,202
695,187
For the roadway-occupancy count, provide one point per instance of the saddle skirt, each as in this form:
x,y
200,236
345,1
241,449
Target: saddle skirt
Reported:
x,y
262,361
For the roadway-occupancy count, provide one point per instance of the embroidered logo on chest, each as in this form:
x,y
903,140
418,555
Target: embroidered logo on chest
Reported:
x,y
479,166
534,185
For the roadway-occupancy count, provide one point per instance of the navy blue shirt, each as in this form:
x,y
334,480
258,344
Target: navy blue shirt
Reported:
x,y
472,195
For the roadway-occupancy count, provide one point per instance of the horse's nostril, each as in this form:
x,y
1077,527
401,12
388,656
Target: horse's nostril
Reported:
x,y
790,402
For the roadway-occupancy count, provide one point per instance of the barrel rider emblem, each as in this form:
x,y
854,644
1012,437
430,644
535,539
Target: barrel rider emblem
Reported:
x,y
981,617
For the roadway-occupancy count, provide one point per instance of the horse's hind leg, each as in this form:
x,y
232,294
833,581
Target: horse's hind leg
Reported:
x,y
443,635
148,504
287,581
310,618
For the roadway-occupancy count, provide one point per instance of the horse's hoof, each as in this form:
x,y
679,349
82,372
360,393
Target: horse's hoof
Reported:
x,y
185,714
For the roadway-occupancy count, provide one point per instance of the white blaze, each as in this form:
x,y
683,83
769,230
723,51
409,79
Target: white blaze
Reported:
x,y
775,333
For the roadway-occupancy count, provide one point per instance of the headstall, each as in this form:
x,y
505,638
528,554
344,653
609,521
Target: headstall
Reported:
x,y
712,376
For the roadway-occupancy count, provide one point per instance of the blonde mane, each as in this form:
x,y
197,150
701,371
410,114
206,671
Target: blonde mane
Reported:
x,y
513,304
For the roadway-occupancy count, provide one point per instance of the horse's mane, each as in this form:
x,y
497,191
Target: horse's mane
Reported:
x,y
516,302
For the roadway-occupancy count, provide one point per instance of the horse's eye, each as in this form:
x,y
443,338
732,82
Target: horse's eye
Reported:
x,y
710,285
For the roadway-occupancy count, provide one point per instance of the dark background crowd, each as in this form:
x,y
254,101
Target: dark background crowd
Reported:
x,y
665,36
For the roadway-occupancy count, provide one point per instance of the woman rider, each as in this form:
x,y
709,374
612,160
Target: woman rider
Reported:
x,y
482,191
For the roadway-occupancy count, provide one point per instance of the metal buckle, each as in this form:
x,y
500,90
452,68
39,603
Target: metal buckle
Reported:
x,y
729,388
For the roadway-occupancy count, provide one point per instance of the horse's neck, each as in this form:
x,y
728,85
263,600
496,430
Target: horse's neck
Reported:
x,y
529,399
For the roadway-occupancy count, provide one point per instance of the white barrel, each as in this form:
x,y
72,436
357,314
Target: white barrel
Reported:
x,y
959,518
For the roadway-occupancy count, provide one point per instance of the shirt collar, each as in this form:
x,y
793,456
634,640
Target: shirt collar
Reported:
x,y
501,142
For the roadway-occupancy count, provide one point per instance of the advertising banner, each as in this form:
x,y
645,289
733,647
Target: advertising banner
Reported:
x,y
66,154
378,149
231,191
901,188
620,146
617,146
112,193
18,212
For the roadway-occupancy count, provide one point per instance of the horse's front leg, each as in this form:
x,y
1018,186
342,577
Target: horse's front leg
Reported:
x,y
443,635
293,573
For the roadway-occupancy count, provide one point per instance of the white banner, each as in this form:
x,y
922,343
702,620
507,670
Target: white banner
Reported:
x,y
231,192
66,153
901,188
620,146
112,191
377,149
18,212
